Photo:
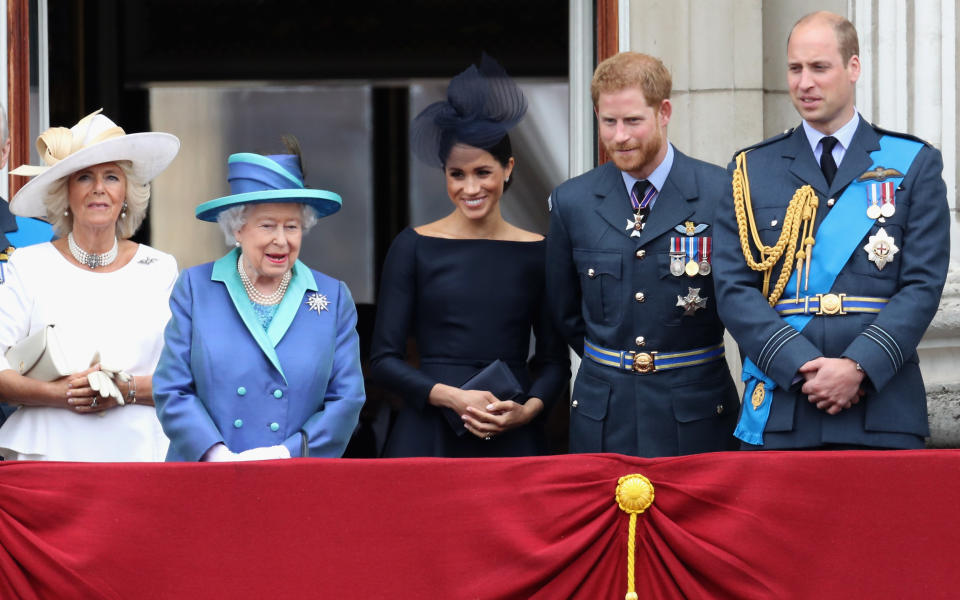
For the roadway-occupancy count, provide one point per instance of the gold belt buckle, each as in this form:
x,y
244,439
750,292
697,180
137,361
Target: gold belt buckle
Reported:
x,y
643,362
831,304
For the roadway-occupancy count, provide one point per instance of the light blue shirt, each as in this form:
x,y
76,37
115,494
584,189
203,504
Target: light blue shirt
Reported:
x,y
656,179
844,136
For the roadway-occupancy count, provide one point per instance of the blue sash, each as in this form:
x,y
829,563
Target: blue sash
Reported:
x,y
837,238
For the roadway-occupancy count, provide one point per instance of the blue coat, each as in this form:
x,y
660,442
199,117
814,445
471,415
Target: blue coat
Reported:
x,y
894,412
594,272
223,378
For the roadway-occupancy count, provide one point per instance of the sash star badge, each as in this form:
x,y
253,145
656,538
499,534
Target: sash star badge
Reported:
x,y
692,302
880,249
318,302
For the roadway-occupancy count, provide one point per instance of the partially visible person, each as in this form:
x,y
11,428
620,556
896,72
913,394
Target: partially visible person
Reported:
x,y
854,228
262,356
470,289
105,295
629,258
15,232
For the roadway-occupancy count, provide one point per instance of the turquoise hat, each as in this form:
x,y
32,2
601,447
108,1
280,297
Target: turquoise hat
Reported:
x,y
256,178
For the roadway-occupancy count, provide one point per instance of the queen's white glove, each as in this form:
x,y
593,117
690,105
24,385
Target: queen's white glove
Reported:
x,y
265,453
219,453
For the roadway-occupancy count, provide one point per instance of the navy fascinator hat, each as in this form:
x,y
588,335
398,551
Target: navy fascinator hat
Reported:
x,y
482,104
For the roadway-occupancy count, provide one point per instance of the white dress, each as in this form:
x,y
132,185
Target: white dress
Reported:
x,y
121,315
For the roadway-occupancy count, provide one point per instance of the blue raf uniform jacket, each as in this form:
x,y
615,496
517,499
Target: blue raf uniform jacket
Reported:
x,y
617,292
893,413
223,378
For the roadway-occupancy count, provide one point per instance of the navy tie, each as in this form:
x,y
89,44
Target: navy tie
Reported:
x,y
827,164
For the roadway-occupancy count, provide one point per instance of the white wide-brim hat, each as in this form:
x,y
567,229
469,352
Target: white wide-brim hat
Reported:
x,y
94,140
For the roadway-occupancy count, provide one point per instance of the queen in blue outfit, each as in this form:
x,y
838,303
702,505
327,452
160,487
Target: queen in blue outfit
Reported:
x,y
261,356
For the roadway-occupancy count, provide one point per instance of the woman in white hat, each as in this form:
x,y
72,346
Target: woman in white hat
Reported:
x,y
107,298
261,357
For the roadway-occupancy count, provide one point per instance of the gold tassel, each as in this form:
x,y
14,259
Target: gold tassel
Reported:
x,y
634,495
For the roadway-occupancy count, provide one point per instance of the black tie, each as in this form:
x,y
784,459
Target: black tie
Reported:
x,y
827,164
639,190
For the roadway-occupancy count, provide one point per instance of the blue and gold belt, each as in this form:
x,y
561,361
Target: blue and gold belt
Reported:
x,y
651,362
830,304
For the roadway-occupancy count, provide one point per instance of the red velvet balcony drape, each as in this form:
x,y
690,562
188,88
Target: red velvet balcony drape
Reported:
x,y
728,525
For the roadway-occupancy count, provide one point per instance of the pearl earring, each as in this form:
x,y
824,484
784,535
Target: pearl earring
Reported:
x,y
123,211
237,244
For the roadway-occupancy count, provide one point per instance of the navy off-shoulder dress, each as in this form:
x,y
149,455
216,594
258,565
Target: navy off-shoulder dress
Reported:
x,y
467,302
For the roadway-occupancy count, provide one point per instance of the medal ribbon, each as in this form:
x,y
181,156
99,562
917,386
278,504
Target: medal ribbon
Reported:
x,y
705,243
691,248
872,193
837,238
887,196
644,202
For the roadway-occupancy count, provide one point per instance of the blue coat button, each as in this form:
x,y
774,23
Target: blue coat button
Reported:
x,y
277,394
241,391
274,426
238,423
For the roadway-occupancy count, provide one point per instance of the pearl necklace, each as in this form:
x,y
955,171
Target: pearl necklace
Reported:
x,y
256,295
91,259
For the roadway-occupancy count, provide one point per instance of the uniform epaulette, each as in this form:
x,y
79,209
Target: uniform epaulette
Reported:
x,y
899,134
769,140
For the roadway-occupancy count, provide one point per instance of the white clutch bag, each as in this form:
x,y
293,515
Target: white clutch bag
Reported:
x,y
39,356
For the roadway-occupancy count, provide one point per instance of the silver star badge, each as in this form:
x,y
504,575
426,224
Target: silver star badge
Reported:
x,y
880,248
318,302
692,302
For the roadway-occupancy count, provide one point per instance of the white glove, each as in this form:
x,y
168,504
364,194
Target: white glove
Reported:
x,y
265,453
102,382
115,375
219,453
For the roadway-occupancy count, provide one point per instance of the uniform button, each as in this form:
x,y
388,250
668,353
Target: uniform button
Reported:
x,y
831,201
238,423
241,391
574,404
639,297
719,409
591,273
641,341
641,253
773,223
274,426
277,394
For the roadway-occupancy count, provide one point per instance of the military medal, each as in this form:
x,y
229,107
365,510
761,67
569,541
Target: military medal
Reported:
x,y
692,302
692,267
641,208
635,225
676,256
880,249
705,243
888,204
756,398
873,201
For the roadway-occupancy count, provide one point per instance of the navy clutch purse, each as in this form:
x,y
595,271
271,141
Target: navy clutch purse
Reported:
x,y
496,378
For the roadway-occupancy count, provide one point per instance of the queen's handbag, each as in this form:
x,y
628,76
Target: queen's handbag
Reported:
x,y
39,356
